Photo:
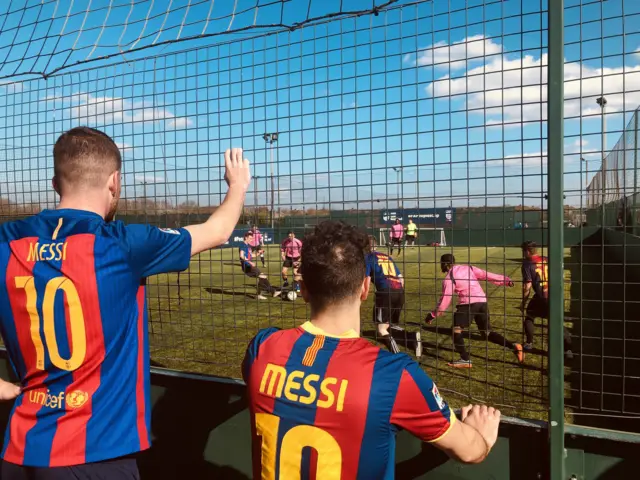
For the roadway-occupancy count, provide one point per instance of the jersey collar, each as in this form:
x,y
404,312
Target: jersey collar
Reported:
x,y
313,330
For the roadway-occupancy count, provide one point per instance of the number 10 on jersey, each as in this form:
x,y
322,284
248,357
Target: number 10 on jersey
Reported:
x,y
329,464
76,321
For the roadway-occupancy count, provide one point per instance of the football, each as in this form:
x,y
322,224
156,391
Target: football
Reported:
x,y
292,295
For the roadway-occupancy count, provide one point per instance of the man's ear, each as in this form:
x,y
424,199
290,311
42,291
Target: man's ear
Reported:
x,y
303,290
366,285
114,183
55,185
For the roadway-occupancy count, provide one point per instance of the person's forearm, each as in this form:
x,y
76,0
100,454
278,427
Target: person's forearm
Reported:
x,y
476,448
219,226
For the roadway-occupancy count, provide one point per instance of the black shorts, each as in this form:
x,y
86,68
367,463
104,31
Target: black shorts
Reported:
x,y
388,306
396,241
250,271
290,262
478,312
410,237
124,468
538,308
256,249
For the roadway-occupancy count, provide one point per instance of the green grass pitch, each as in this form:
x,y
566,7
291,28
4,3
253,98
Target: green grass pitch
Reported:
x,y
202,320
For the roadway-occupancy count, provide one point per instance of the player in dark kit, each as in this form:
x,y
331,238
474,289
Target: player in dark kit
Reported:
x,y
327,404
252,271
389,299
534,274
73,315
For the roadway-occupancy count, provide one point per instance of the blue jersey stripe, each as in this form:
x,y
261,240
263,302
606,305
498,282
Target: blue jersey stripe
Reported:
x,y
303,414
254,348
8,326
118,371
376,455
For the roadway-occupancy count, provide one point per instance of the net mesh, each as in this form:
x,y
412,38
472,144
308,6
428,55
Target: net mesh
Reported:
x,y
375,115
434,110
42,37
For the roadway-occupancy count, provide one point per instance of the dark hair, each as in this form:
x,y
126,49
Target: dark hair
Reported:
x,y
248,234
529,246
448,259
84,157
291,232
334,262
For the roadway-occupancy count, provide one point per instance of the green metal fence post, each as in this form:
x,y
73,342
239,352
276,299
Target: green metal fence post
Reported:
x,y
634,190
555,205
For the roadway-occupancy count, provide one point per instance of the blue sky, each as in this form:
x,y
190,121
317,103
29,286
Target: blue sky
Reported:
x,y
453,95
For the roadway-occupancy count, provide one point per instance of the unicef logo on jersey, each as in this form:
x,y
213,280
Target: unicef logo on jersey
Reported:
x,y
72,400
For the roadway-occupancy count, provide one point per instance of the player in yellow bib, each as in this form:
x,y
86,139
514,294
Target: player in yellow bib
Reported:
x,y
412,233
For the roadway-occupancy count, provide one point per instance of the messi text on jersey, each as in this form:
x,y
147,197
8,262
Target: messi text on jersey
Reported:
x,y
301,388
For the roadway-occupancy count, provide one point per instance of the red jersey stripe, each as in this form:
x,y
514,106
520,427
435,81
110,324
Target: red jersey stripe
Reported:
x,y
24,416
276,350
140,397
69,441
359,372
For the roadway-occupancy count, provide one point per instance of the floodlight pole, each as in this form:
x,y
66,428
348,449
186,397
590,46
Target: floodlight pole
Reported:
x,y
602,101
255,198
271,138
398,171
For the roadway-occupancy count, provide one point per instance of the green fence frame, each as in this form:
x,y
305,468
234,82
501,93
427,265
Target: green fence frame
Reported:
x,y
555,172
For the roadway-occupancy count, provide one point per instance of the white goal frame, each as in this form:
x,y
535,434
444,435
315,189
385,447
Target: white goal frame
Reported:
x,y
385,236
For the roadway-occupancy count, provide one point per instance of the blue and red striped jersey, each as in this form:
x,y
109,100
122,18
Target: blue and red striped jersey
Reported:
x,y
329,407
73,317
383,271
246,248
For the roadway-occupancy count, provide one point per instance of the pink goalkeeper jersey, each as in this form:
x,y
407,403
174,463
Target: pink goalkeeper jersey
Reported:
x,y
463,280
397,231
257,238
292,247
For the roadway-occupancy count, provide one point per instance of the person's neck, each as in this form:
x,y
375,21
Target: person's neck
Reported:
x,y
338,319
85,203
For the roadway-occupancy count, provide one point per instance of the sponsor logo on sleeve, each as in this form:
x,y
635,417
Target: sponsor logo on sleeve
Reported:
x,y
170,230
437,397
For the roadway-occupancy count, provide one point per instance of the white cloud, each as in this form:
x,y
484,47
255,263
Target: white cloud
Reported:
x,y
540,159
515,90
103,110
474,47
526,160
124,146
180,122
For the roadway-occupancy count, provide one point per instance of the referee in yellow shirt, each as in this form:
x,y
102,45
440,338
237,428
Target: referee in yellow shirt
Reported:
x,y
412,233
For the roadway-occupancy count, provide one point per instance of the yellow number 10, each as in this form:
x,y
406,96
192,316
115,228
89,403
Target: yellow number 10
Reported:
x,y
387,268
294,441
76,322
543,273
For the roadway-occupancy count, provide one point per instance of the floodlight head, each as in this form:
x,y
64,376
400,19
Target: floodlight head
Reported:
x,y
266,137
274,137
602,101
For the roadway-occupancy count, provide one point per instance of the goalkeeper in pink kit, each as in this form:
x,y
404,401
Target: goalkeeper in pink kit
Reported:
x,y
397,230
464,281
